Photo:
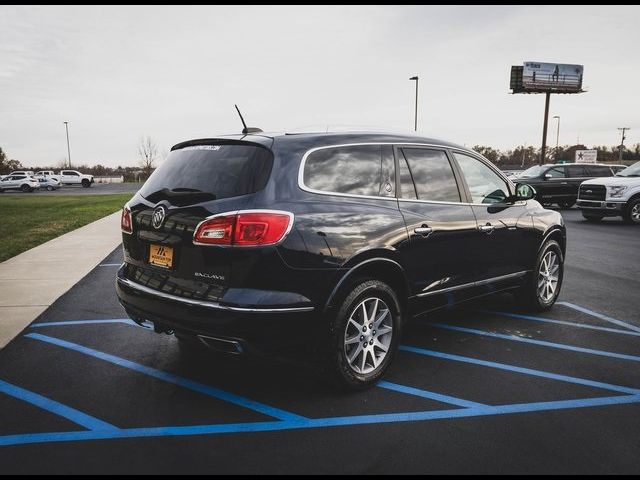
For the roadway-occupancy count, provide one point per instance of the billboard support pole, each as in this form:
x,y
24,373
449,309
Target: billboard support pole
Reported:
x,y
544,128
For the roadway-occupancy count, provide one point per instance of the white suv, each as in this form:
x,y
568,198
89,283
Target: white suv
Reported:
x,y
19,181
617,196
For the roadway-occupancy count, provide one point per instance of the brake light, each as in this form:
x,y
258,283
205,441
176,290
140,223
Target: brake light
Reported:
x,y
126,225
249,228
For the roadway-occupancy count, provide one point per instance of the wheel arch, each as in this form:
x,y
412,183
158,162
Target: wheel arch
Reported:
x,y
558,234
379,268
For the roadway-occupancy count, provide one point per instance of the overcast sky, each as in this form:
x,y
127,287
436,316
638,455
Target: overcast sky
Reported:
x,y
174,73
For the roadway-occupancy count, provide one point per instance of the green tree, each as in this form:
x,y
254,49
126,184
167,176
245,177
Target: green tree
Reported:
x,y
6,165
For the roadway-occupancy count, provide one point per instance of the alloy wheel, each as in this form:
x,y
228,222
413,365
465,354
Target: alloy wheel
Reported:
x,y
368,335
548,276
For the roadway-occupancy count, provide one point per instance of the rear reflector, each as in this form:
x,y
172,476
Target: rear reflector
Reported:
x,y
125,220
245,228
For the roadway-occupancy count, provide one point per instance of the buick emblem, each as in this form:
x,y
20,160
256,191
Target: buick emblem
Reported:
x,y
158,217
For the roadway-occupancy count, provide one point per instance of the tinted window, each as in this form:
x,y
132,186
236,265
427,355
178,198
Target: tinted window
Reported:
x,y
598,171
208,172
485,185
358,170
432,175
576,171
556,172
406,182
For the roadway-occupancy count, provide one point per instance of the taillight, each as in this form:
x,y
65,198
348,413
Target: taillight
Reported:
x,y
216,231
247,228
125,220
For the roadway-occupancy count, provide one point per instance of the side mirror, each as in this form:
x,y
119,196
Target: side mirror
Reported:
x,y
547,176
524,192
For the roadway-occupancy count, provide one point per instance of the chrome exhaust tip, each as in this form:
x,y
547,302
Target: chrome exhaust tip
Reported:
x,y
222,345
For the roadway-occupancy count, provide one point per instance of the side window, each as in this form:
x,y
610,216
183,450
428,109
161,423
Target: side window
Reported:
x,y
432,175
556,172
598,171
485,185
64,173
574,171
357,170
74,174
408,189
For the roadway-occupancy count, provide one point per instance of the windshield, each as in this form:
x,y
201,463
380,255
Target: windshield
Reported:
x,y
532,172
209,172
632,171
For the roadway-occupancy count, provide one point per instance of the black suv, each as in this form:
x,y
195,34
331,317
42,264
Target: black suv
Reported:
x,y
329,242
559,183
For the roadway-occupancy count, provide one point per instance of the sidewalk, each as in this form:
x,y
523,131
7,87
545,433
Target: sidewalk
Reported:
x,y
33,280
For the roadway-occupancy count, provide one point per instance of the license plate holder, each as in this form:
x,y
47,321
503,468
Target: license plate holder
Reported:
x,y
161,256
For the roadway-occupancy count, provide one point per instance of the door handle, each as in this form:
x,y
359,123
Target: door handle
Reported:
x,y
424,230
564,183
488,228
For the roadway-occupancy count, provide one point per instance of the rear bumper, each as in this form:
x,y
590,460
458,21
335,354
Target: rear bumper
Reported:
x,y
255,327
604,208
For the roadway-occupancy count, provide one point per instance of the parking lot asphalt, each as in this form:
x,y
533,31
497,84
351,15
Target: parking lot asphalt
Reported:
x,y
484,388
95,189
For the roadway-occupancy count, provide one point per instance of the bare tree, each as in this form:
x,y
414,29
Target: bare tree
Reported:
x,y
148,154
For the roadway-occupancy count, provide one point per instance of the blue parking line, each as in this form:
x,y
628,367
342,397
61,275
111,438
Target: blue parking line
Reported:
x,y
542,343
561,322
171,378
125,321
430,395
601,316
316,423
57,408
523,370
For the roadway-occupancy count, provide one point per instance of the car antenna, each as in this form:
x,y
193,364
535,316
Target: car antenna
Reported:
x,y
246,129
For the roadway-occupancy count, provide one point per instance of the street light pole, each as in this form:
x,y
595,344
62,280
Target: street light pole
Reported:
x,y
621,148
557,135
66,126
415,126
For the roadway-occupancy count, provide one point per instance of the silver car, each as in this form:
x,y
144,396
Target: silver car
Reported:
x,y
24,183
50,183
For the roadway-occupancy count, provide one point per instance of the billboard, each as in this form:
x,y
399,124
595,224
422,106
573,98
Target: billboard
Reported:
x,y
552,77
586,156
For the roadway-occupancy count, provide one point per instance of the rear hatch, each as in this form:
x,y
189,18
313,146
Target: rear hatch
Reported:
x,y
194,182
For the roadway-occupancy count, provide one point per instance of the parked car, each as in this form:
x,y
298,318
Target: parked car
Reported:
x,y
45,173
559,183
19,181
328,243
18,172
617,196
73,177
49,183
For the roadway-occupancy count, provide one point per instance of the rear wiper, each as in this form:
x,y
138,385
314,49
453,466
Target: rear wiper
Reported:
x,y
190,191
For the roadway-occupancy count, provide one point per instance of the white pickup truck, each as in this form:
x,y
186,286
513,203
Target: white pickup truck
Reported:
x,y
73,177
617,196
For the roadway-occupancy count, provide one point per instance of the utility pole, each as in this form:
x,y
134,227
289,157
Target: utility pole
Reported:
x,y
415,127
557,117
544,128
66,126
621,148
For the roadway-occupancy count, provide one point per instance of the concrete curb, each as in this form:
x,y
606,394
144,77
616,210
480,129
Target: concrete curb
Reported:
x,y
32,281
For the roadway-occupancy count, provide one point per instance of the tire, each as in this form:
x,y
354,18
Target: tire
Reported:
x,y
349,365
86,183
50,188
536,297
25,188
590,217
632,211
567,204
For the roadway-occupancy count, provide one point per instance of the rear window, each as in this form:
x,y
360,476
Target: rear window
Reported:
x,y
209,172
